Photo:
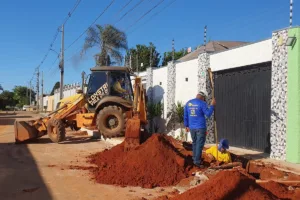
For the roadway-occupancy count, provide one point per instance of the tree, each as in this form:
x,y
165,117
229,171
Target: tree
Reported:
x,y
141,54
1,88
177,54
56,86
110,41
6,99
21,95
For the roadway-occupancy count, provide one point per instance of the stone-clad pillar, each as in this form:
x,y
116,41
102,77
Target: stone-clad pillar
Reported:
x,y
279,95
149,84
204,85
171,88
149,89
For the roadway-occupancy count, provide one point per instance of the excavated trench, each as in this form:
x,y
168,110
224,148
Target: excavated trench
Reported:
x,y
163,161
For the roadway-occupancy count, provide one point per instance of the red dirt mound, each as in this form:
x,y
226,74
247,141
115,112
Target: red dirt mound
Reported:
x,y
280,190
227,185
154,163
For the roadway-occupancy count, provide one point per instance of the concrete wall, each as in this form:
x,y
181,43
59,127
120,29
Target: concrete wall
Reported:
x,y
160,87
258,52
51,101
293,101
186,90
68,90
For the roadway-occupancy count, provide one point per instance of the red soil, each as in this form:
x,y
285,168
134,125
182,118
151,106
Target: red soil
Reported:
x,y
154,163
281,191
227,185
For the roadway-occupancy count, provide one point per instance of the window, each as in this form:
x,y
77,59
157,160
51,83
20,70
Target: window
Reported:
x,y
160,83
126,84
186,79
97,79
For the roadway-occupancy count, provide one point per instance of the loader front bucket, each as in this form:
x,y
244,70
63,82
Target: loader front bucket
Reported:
x,y
24,131
132,134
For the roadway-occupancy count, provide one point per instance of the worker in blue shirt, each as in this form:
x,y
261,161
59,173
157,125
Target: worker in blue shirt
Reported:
x,y
195,113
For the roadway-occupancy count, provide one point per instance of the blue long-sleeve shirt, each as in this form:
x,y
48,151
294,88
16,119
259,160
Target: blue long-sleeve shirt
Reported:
x,y
195,111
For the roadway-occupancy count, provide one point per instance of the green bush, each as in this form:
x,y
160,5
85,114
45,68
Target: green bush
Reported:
x,y
179,109
180,112
154,110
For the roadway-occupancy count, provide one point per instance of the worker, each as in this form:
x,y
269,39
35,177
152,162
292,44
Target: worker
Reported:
x,y
221,152
118,90
195,113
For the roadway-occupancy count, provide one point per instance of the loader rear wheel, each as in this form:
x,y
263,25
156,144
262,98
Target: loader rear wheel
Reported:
x,y
110,121
56,130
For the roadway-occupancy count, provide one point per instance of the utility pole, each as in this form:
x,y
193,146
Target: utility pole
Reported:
x,y
61,66
38,88
82,79
137,63
30,93
42,102
27,94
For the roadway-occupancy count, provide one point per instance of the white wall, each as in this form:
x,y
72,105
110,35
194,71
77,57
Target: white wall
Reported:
x,y
258,52
186,90
143,75
68,91
45,101
160,87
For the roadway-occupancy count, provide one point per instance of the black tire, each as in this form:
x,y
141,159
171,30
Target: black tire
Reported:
x,y
110,121
56,130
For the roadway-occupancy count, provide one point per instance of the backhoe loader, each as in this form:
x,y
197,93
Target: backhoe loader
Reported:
x,y
98,105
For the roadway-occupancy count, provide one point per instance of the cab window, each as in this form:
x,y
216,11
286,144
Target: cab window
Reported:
x,y
125,84
97,79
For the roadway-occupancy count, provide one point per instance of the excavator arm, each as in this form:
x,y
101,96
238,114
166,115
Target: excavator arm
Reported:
x,y
135,125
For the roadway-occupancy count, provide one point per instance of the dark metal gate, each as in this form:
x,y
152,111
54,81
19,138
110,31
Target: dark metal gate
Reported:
x,y
243,109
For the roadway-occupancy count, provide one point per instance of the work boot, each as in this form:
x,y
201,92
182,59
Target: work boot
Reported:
x,y
200,166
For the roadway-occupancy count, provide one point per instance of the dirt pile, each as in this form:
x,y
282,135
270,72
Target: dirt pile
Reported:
x,y
280,190
227,185
154,163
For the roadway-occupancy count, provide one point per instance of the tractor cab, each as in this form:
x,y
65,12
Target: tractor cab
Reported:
x,y
109,84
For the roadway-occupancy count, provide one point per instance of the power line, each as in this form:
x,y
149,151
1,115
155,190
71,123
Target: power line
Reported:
x,y
55,37
124,6
136,5
155,14
72,11
107,7
144,15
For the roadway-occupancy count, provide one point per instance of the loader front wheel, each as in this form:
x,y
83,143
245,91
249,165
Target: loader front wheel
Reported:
x,y
110,121
56,130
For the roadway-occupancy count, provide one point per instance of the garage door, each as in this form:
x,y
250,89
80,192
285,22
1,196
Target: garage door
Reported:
x,y
243,106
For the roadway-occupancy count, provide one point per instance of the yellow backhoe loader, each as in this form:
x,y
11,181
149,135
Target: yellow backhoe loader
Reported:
x,y
108,103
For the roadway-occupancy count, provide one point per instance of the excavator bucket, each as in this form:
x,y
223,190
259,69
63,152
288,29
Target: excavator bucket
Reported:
x,y
132,133
25,131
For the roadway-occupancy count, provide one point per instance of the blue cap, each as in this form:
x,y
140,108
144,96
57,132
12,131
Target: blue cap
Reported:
x,y
223,144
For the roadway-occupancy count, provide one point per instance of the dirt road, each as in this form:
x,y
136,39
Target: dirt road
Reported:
x,y
40,170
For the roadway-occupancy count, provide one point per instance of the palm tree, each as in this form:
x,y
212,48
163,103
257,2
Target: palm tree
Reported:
x,y
110,40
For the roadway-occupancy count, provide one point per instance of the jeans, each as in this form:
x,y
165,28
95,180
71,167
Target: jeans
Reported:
x,y
198,137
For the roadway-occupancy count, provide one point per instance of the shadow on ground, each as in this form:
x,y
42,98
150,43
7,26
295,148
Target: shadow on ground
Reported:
x,y
68,140
19,174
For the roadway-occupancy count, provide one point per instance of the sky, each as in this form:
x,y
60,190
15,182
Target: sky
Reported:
x,y
28,27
